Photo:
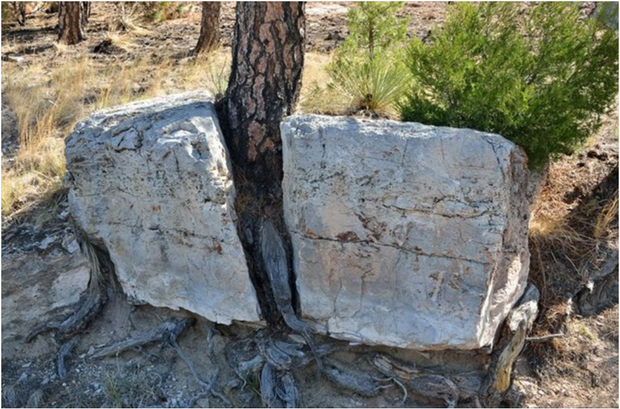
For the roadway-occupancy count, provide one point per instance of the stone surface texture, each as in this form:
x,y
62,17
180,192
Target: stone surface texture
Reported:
x,y
152,182
404,234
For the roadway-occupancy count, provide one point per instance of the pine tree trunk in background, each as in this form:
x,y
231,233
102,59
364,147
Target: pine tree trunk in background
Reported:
x,y
209,28
85,12
20,11
69,22
264,85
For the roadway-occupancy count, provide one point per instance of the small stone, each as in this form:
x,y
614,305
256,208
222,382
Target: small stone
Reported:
x,y
203,403
71,245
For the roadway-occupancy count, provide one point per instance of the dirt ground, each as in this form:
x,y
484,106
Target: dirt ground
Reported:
x,y
43,274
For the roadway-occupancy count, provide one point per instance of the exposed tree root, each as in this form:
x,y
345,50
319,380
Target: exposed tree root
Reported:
x,y
63,353
93,299
344,377
275,262
497,387
166,332
208,386
89,306
278,389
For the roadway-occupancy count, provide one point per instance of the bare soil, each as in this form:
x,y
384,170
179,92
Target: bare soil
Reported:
x,y
579,369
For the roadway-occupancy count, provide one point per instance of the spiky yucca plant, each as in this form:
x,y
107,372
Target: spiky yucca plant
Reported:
x,y
369,67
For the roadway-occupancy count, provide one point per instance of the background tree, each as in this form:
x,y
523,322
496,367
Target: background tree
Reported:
x,y
209,27
264,85
20,12
70,22
85,12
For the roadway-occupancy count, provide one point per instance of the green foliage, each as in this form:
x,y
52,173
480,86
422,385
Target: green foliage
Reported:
x,y
369,64
374,25
535,74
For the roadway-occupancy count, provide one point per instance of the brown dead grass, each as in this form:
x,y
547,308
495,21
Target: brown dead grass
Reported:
x,y
574,227
583,369
317,96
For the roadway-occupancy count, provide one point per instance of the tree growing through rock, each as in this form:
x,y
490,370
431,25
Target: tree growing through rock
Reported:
x,y
209,28
70,22
264,85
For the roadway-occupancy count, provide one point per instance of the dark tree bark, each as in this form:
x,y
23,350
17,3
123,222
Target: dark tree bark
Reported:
x,y
85,12
20,12
70,22
209,28
263,87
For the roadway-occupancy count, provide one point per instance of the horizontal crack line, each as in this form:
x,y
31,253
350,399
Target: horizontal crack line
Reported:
x,y
367,242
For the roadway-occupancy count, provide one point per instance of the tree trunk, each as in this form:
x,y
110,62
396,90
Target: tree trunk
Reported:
x,y
209,28
85,12
20,12
69,22
263,87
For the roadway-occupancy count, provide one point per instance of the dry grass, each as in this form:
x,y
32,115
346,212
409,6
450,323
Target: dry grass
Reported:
x,y
569,227
207,71
46,103
36,175
604,222
317,95
51,105
582,370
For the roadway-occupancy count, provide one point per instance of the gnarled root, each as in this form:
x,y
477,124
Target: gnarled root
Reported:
x,y
166,332
93,299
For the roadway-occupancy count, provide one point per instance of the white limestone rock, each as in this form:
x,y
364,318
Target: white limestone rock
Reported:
x,y
152,182
404,234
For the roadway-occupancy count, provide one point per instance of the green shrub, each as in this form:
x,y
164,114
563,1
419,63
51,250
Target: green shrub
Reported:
x,y
536,74
369,65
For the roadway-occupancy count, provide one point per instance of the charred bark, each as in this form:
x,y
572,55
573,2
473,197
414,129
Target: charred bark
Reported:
x,y
209,28
70,23
263,87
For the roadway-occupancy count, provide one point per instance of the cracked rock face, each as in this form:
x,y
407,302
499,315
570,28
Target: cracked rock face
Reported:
x,y
404,234
152,182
